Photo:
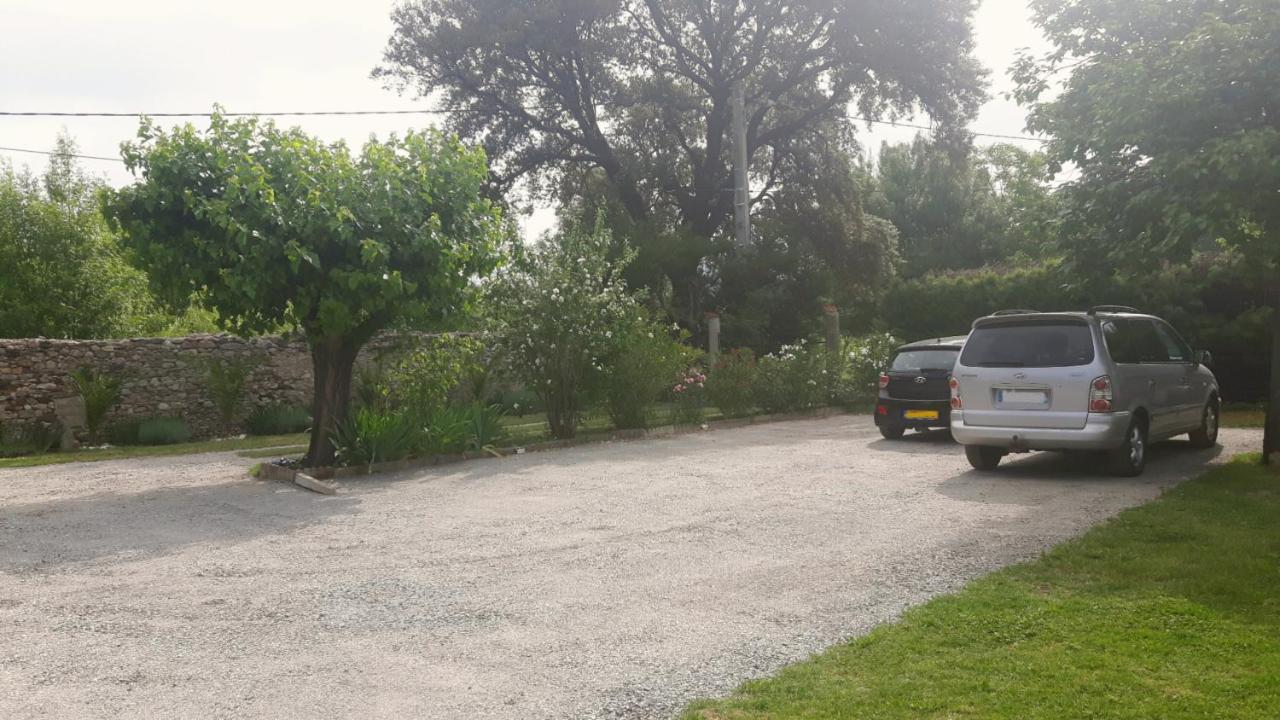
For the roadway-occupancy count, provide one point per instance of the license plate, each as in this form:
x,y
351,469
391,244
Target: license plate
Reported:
x,y
921,414
1024,397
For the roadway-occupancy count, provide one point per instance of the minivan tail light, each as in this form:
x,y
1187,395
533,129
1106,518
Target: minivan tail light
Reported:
x,y
884,380
1100,395
957,403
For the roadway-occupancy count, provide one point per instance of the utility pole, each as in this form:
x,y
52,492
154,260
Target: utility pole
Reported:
x,y
741,188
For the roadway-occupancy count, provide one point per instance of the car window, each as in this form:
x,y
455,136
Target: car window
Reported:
x,y
1178,349
914,360
1134,340
1029,344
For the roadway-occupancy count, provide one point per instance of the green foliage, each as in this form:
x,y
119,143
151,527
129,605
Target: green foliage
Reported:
x,y
278,419
555,308
28,439
273,227
163,431
731,383
427,378
484,426
371,435
794,378
689,397
643,360
100,393
62,272
227,380
124,432
857,368
447,430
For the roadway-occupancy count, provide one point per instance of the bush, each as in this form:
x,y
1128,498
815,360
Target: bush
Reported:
x,y
857,367
370,436
643,362
731,384
28,439
428,378
484,426
794,378
123,432
226,386
445,431
278,419
100,393
163,431
689,397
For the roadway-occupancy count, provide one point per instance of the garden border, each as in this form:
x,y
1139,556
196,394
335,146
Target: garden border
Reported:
x,y
268,471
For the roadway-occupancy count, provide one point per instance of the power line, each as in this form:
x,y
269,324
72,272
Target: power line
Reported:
x,y
50,152
341,113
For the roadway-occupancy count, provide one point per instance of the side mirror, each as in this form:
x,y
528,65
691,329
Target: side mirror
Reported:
x,y
1204,357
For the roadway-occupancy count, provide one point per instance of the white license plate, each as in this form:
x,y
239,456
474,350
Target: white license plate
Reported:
x,y
1024,397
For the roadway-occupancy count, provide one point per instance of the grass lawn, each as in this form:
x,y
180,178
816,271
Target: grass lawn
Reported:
x,y
1171,610
1243,416
120,453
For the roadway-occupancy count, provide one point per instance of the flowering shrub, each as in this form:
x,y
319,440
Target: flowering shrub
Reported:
x,y
643,358
794,378
689,397
862,359
731,383
556,306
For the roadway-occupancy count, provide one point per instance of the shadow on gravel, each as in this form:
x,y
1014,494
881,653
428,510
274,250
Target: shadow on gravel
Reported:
x,y
123,527
1030,479
916,443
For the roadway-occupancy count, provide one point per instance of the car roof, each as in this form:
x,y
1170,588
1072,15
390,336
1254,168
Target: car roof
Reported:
x,y
942,343
1015,318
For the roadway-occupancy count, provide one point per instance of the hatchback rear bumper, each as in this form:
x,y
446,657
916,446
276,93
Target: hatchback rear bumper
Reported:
x,y
1100,432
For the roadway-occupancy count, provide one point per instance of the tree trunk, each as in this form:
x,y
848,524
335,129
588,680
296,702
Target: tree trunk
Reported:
x,y
1271,435
332,360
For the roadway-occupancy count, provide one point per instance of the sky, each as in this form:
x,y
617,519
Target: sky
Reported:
x,y
151,56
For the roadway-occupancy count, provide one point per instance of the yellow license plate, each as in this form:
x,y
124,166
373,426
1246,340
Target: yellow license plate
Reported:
x,y
921,415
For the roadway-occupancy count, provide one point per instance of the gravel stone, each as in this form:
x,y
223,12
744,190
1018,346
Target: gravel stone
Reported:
x,y
618,580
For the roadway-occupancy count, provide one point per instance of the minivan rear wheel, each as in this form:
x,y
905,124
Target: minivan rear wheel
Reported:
x,y
1206,436
982,457
1130,459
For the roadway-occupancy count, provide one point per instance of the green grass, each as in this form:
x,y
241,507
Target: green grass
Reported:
x,y
1237,415
122,453
1171,610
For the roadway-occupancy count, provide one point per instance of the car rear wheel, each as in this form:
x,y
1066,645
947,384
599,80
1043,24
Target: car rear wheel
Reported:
x,y
1206,436
1130,459
983,458
892,432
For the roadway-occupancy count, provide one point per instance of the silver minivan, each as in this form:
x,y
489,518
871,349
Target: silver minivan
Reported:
x,y
1111,379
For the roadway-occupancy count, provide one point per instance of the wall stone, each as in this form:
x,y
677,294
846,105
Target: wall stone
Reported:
x,y
166,377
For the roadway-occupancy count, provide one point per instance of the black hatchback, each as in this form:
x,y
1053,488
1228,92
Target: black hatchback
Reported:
x,y
915,390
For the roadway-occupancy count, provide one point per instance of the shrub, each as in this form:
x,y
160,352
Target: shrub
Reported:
x,y
445,431
731,384
370,387
519,401
371,436
100,393
226,386
427,378
278,419
123,432
858,366
28,439
689,397
643,361
794,378
484,426
163,431
554,307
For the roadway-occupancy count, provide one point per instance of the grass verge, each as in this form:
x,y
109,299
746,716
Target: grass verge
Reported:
x,y
1171,610
1236,415
123,453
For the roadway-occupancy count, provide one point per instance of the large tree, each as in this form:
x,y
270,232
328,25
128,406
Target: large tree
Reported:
x,y
1170,113
272,227
641,90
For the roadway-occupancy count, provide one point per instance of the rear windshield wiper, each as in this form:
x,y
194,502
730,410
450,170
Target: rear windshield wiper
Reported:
x,y
1002,364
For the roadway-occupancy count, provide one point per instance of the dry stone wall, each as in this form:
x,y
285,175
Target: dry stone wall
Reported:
x,y
163,377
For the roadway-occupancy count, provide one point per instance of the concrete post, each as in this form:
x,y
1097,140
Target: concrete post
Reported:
x,y
831,320
71,416
713,335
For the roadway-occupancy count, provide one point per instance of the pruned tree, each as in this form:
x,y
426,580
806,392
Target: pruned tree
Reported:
x,y
273,227
1170,113
640,91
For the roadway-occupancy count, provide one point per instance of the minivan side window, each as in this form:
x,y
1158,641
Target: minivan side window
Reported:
x,y
1134,340
1178,349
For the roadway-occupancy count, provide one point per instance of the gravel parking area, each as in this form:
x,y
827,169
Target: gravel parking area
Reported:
x,y
614,581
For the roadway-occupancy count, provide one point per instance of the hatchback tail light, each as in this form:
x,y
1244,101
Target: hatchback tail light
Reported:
x,y
884,380
957,403
1100,395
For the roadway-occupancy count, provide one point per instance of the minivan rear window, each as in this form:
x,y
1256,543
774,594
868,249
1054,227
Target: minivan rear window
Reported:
x,y
917,360
1039,344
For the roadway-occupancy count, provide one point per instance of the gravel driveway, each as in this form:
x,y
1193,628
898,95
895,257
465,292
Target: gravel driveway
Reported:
x,y
617,580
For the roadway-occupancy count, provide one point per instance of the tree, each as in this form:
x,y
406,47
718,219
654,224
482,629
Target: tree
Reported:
x,y
62,273
639,92
271,227
1169,113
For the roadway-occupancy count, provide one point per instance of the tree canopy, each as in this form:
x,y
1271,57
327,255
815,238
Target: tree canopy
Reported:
x,y
1169,113
270,226
638,92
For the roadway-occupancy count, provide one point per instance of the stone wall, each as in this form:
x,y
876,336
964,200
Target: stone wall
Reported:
x,y
162,377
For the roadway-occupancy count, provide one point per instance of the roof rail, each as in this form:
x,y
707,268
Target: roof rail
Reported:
x,y
1002,313
1111,309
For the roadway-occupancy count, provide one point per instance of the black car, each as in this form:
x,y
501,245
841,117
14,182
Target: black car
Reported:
x,y
915,391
